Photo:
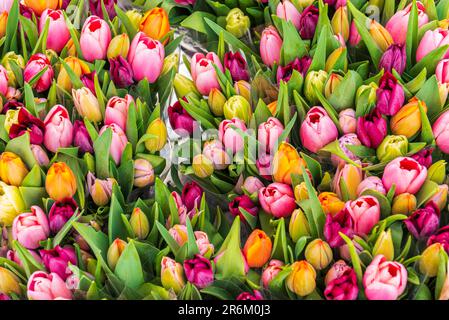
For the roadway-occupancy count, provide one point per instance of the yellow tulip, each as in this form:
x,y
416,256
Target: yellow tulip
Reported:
x,y
3,21
286,161
158,138
380,35
11,204
330,203
301,280
115,251
78,67
119,46
155,24
430,259
12,169
404,203
384,245
9,283
319,254
340,22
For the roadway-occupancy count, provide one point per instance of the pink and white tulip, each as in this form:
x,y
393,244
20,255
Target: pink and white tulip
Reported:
x,y
30,228
406,174
117,111
58,129
146,57
58,33
95,39
203,72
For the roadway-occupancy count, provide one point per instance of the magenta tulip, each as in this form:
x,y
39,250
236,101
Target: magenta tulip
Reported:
x,y
308,22
57,260
81,138
365,214
191,195
28,123
317,130
277,199
432,40
442,71
299,64
236,65
354,35
255,295
199,271
394,58
185,2
398,24
384,280
424,222
270,46
372,129
60,213
390,95
96,8
117,111
30,228
36,64
343,287
180,120
229,136
88,81
118,143
243,202
121,72
440,236
142,50
287,11
406,174
271,270
3,81
340,222
424,157
371,183
95,38
47,286
58,129
268,134
203,72
441,132
58,33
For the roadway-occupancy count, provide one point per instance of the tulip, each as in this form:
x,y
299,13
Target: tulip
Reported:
x,y
191,195
9,283
158,130
336,271
121,72
185,87
441,236
299,64
216,102
142,50
319,254
277,199
155,24
243,202
287,11
100,190
47,286
60,213
36,64
268,134
340,222
115,250
317,130
95,39
349,175
172,275
203,72
185,2
202,166
270,46
330,203
271,270
204,246
384,245
390,95
392,147
215,152
12,169
340,22
314,80
81,137
440,131
11,203
407,121
30,228
354,35
58,129
307,22
96,8
39,6
237,23
60,182
117,111
371,129
440,198
371,183
87,104
365,213
40,155
255,295
343,287
18,59
424,157
243,88
118,142
286,161
347,121
380,35
58,32
406,173
349,139
257,249
252,185
394,58
301,280
299,226
430,260
229,136
199,271
442,71
56,260
398,23
424,222
432,40
237,107
27,123
143,173
404,203
139,224
236,65
78,67
119,46
301,192
3,81
6,5
180,120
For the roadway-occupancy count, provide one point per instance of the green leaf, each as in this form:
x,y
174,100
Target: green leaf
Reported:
x,y
11,28
429,62
129,26
292,46
101,148
356,264
412,34
129,267
66,228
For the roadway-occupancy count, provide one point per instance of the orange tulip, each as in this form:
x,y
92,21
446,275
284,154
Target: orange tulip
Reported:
x,y
272,107
12,169
285,162
407,121
61,182
257,249
79,68
330,203
3,21
39,6
155,24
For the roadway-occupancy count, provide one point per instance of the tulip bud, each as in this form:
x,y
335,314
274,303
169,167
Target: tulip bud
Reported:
x,y
12,169
301,192
119,45
18,59
40,155
155,24
302,278
272,107
307,22
100,190
270,272
143,173
216,102
115,251
170,62
11,203
184,86
299,226
404,203
340,22
285,73
380,35
3,21
314,79
158,139
372,129
202,166
78,67
330,203
392,147
317,130
243,202
430,259
139,224
287,11
319,254
351,176
390,95
237,23
286,161
237,107
347,120
9,283
332,83
144,49
39,6
60,182
437,172
237,66
407,121
215,152
270,46
199,271
366,95
172,276
384,245
135,17
95,38
394,58
243,88
257,249
121,72
337,59
87,104
440,198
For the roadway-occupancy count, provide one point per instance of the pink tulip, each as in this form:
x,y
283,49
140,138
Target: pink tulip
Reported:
x,y
406,173
343,287
398,24
317,130
287,11
199,271
384,280
252,185
5,5
229,136
142,50
365,213
204,246
277,199
58,33
3,81
371,183
441,132
57,260
117,111
263,164
47,286
432,40
269,133
36,64
95,38
118,143
30,228
13,256
58,129
349,139
442,71
336,271
354,35
271,270
203,72
270,46
347,120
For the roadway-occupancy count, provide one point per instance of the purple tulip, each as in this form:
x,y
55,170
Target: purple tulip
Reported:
x,y
11,105
81,138
390,95
372,129
25,11
236,65
88,81
424,157
121,72
191,195
95,8
60,213
56,260
199,271
28,123
341,222
301,65
243,202
180,119
343,287
308,21
441,236
394,58
424,222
